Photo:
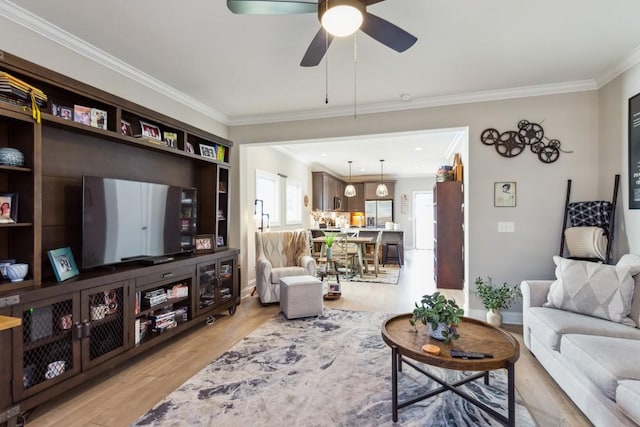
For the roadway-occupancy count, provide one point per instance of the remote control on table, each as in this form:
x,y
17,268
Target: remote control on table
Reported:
x,y
469,354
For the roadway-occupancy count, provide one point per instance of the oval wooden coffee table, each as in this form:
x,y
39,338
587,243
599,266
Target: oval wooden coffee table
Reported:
x,y
475,336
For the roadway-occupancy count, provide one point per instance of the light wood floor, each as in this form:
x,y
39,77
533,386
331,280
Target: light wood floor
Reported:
x,y
122,395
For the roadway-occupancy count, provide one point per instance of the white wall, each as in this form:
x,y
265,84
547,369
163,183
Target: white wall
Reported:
x,y
267,159
511,257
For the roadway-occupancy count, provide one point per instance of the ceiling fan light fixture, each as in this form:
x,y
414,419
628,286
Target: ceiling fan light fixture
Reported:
x,y
341,17
381,189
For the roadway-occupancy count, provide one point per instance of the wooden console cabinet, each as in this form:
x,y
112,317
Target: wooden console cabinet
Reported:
x,y
64,339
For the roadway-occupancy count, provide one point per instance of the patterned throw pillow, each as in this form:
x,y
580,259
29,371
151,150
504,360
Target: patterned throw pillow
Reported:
x,y
594,289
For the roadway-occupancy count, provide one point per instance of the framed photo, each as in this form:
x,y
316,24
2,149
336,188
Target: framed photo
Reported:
x,y
220,241
207,151
204,243
504,194
125,127
82,114
63,263
150,131
98,118
66,113
170,138
188,147
8,208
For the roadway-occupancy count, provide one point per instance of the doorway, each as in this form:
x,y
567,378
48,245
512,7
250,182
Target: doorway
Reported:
x,y
423,220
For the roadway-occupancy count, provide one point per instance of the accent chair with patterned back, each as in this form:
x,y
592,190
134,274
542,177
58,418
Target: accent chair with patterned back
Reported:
x,y
281,254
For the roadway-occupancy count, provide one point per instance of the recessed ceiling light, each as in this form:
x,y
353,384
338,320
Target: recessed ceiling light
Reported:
x,y
324,154
405,97
418,148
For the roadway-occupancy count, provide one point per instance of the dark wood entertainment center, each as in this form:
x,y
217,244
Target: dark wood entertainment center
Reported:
x,y
60,322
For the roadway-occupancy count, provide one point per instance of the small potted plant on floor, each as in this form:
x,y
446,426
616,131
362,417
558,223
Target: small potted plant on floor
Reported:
x,y
496,298
442,315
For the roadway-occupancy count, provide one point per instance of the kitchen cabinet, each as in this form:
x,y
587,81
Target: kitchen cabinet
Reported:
x,y
356,204
328,192
370,190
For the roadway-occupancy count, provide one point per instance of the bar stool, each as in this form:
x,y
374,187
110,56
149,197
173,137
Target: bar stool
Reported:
x,y
397,256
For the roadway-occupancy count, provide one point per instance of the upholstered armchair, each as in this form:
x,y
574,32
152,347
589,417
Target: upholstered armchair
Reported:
x,y
281,254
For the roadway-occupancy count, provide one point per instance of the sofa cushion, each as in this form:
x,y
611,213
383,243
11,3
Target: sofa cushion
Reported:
x,y
593,289
550,324
634,262
280,272
602,360
628,399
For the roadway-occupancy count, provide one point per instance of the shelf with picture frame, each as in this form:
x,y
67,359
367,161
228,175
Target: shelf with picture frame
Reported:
x,y
98,136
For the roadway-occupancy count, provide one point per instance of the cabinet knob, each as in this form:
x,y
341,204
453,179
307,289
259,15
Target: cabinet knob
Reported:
x,y
165,275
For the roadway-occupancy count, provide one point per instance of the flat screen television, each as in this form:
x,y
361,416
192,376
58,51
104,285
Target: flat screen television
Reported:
x,y
126,220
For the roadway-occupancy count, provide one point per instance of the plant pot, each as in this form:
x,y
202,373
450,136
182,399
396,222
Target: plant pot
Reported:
x,y
494,318
437,333
329,253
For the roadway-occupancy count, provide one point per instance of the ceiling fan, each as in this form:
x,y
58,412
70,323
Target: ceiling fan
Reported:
x,y
349,16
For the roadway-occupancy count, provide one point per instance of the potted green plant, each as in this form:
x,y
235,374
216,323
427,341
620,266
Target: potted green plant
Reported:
x,y
328,241
442,315
496,298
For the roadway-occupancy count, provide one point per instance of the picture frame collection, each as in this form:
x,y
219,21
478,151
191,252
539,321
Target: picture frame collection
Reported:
x,y
96,117
89,116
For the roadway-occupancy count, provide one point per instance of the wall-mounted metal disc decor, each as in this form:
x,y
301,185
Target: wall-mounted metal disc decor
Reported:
x,y
513,142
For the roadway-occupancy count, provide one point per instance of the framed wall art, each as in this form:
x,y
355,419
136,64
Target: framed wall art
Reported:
x,y
504,194
634,152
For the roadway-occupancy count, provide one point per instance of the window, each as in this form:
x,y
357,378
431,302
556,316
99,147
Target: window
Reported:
x,y
294,202
268,190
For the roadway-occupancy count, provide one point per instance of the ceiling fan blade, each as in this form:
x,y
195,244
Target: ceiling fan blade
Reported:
x,y
317,49
272,7
387,33
370,2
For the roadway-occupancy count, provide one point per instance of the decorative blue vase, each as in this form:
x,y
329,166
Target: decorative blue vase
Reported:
x,y
11,157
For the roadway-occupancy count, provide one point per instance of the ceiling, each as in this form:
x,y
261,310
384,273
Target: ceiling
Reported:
x,y
245,69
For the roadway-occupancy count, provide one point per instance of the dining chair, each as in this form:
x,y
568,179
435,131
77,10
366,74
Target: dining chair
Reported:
x,y
374,256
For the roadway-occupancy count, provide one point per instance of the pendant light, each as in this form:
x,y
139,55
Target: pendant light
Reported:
x,y
350,190
381,190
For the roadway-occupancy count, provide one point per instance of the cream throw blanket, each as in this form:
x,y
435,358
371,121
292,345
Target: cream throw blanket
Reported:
x,y
586,242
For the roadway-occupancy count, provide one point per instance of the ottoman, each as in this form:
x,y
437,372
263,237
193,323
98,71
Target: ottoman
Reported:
x,y
300,296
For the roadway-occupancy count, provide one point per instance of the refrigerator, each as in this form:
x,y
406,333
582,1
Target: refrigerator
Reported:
x,y
378,212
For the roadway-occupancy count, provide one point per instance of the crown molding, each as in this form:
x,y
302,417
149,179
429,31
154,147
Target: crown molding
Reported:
x,y
417,103
57,35
628,61
49,31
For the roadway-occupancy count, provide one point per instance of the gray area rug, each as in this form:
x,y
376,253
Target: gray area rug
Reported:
x,y
333,370
389,275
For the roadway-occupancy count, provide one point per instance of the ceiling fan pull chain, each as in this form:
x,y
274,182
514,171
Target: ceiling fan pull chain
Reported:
x,y
355,74
326,68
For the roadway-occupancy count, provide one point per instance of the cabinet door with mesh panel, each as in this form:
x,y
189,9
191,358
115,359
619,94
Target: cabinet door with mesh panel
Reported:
x,y
47,344
104,317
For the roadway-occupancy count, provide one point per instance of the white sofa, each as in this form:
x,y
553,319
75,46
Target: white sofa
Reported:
x,y
594,360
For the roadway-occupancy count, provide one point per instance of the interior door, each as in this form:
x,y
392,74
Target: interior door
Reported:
x,y
423,219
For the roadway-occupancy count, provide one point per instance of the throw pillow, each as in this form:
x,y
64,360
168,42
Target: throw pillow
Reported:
x,y
593,289
633,261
